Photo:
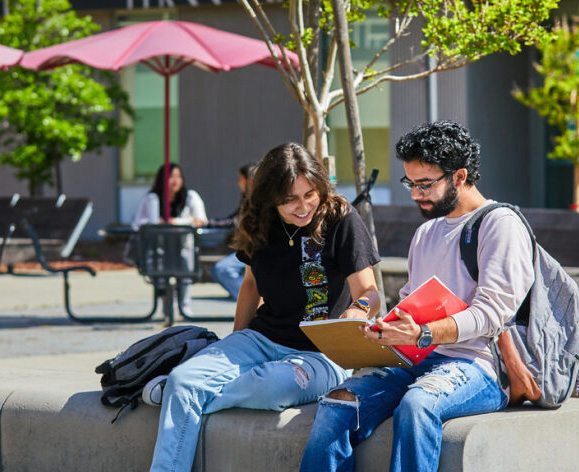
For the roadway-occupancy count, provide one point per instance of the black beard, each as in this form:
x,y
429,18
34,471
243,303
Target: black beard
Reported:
x,y
447,204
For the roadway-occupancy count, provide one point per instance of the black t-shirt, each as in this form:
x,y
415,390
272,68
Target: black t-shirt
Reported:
x,y
305,282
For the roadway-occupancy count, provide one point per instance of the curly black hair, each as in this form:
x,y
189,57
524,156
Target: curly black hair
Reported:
x,y
445,144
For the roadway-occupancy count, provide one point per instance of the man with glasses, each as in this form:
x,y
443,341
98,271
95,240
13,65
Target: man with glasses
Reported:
x,y
441,164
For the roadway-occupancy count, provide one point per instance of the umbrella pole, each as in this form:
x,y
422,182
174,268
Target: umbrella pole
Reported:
x,y
166,211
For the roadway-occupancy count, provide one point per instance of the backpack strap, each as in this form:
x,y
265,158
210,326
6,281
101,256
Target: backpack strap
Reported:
x,y
469,236
120,400
469,253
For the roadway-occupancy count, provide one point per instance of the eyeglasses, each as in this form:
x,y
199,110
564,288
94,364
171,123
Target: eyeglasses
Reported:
x,y
424,189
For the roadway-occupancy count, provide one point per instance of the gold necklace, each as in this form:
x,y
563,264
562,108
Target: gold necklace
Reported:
x,y
291,238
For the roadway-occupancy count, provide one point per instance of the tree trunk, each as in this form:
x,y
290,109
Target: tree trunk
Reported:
x,y
312,20
35,187
58,177
309,139
321,136
316,135
575,205
355,130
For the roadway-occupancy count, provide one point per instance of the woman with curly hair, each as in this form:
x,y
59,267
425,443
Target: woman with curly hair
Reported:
x,y
308,255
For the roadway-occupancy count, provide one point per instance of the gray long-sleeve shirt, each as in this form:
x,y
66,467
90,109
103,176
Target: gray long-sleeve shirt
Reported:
x,y
505,276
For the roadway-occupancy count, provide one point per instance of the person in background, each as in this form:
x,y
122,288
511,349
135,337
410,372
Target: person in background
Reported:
x,y
308,256
186,207
229,271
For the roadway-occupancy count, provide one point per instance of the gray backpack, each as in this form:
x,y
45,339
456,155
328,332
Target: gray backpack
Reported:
x,y
545,329
124,376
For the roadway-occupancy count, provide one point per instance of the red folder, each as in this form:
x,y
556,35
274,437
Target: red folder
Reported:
x,y
344,343
430,302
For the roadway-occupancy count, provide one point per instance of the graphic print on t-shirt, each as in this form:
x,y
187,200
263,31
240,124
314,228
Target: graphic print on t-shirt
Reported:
x,y
314,280
313,274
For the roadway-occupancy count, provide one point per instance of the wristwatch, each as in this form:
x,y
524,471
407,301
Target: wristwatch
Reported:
x,y
425,338
362,304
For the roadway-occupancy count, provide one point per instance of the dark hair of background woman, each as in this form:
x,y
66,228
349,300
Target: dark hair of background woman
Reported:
x,y
178,203
271,182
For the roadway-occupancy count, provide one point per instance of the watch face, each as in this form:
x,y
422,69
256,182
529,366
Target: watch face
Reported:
x,y
424,341
364,303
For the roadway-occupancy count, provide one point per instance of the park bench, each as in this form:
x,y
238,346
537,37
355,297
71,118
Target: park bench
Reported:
x,y
44,230
57,224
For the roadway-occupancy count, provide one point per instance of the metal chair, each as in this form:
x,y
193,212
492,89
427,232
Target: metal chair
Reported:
x,y
167,254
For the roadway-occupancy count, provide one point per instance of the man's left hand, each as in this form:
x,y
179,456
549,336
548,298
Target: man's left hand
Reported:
x,y
403,331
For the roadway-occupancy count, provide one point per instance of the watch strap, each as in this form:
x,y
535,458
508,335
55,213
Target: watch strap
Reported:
x,y
362,305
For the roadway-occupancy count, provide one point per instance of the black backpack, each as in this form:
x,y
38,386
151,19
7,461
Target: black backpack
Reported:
x,y
545,329
124,376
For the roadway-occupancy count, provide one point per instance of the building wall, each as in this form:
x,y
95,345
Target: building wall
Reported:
x,y
231,118
502,126
479,97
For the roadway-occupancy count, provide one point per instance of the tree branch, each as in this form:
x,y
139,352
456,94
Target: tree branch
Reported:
x,y
297,27
288,73
400,31
329,73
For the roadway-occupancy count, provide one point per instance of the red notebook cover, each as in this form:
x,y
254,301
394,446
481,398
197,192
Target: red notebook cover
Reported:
x,y
430,302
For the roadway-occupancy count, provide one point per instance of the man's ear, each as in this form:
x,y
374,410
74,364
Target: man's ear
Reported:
x,y
460,177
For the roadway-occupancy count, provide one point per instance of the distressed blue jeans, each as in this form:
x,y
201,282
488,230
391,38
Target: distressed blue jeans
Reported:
x,y
229,272
246,370
420,399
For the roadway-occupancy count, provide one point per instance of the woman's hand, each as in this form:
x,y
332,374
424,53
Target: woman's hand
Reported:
x,y
354,312
198,223
403,331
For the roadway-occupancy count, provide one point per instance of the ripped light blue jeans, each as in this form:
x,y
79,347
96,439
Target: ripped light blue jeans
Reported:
x,y
420,399
246,370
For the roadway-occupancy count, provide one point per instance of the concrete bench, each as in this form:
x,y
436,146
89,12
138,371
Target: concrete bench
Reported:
x,y
65,428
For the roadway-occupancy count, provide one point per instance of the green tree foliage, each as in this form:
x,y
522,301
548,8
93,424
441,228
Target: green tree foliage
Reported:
x,y
46,117
556,99
455,33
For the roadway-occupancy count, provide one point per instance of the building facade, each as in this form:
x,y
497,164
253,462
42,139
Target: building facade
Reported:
x,y
222,121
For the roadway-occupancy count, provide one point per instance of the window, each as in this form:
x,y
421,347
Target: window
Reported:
x,y
369,36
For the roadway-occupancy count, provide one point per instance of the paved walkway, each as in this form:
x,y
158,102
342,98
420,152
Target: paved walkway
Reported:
x,y
40,344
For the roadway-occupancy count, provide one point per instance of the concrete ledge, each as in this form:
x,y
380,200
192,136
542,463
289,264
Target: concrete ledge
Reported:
x,y
58,431
522,439
556,230
66,430
394,276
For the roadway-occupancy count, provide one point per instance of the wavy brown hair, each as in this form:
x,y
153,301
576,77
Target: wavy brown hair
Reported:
x,y
271,182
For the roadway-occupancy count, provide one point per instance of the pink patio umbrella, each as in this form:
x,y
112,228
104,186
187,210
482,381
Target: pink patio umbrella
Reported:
x,y
167,47
9,57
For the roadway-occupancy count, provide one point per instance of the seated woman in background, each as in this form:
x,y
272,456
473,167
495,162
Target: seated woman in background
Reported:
x,y
307,255
229,271
186,206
